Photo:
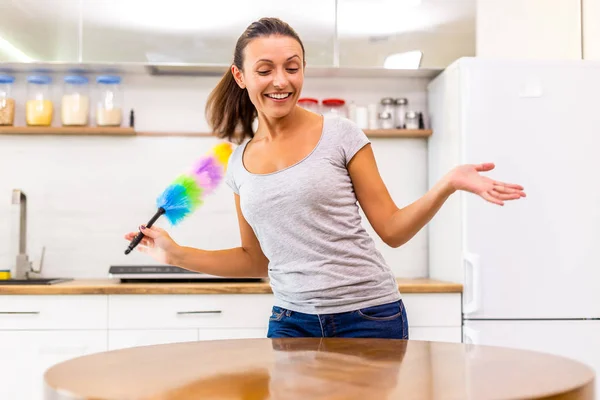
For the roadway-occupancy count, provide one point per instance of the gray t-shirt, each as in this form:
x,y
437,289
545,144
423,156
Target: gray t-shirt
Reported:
x,y
306,218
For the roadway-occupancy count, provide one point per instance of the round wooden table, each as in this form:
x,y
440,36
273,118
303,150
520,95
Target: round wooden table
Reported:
x,y
313,369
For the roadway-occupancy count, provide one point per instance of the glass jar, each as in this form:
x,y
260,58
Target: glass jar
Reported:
x,y
386,121
7,102
387,107
334,107
75,105
412,120
309,104
400,108
39,108
109,107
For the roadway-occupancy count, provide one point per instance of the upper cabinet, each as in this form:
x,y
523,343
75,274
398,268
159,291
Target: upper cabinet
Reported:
x,y
39,30
196,32
404,34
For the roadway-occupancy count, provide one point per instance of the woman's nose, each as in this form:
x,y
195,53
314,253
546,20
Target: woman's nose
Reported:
x,y
280,80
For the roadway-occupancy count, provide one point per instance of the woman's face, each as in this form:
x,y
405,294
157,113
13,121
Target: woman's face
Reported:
x,y
273,74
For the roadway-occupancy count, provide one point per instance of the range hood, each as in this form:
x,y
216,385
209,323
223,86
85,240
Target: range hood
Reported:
x,y
175,69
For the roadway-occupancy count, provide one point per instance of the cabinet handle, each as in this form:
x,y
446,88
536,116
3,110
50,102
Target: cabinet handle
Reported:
x,y
199,312
19,312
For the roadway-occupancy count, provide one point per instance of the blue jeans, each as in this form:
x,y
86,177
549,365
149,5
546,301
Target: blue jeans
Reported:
x,y
386,321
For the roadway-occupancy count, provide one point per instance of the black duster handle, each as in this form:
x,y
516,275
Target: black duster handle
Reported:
x,y
138,238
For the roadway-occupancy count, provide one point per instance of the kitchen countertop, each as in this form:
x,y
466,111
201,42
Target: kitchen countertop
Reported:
x,y
319,369
113,286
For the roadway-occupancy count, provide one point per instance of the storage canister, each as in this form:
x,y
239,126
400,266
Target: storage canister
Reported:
x,y
39,108
75,105
309,104
109,106
335,107
7,102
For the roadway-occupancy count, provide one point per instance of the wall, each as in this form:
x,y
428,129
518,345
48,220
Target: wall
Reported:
x,y
529,29
85,193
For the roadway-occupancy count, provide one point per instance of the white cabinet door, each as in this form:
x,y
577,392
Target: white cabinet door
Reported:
x,y
575,339
438,334
187,311
120,339
433,309
222,334
25,356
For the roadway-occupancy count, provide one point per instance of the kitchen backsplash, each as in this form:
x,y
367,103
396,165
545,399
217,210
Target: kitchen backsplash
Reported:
x,y
85,193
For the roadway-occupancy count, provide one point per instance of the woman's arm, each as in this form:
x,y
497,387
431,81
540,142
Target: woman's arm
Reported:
x,y
396,226
245,261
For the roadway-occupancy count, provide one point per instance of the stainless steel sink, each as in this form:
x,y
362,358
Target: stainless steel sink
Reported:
x,y
39,281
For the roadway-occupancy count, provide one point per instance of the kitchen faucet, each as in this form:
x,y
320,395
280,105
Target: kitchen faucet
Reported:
x,y
24,268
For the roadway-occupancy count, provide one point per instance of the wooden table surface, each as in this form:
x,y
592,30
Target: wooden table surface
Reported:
x,y
290,369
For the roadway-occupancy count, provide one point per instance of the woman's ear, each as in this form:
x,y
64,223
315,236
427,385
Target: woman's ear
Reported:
x,y
238,76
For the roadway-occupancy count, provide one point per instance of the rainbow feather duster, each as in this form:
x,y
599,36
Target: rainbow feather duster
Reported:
x,y
186,193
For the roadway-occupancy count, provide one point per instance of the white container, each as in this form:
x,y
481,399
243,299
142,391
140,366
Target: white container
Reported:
x,y
310,104
109,107
412,120
362,117
335,107
75,104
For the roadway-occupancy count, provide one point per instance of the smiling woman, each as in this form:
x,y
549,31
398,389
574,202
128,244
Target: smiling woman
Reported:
x,y
266,78
298,181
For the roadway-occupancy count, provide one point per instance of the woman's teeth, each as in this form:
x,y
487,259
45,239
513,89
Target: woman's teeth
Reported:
x,y
279,96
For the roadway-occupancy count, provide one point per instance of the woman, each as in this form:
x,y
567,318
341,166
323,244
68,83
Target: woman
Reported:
x,y
297,182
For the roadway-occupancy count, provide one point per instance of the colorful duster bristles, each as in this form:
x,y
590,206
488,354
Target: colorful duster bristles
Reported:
x,y
186,193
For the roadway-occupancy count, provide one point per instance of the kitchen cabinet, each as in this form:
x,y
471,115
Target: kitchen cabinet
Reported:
x,y
189,32
539,29
45,31
590,29
120,339
37,331
27,354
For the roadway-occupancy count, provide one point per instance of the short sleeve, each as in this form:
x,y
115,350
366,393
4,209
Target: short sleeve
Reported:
x,y
352,139
232,167
230,181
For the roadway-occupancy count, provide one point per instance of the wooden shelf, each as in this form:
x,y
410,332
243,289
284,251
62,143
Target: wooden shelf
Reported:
x,y
124,131
374,133
67,130
398,133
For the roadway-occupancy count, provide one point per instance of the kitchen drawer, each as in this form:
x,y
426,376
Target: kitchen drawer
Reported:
x,y
125,338
27,312
433,309
189,311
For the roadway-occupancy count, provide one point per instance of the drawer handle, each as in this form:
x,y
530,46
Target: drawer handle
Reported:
x,y
19,312
199,312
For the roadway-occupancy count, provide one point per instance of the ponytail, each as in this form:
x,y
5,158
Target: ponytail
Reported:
x,y
229,111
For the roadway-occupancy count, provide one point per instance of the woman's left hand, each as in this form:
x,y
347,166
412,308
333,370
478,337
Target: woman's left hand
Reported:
x,y
466,177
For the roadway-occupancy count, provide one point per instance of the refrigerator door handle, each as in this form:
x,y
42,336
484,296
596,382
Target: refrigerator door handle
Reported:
x,y
473,283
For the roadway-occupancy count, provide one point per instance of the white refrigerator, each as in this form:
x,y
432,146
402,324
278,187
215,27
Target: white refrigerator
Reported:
x,y
530,269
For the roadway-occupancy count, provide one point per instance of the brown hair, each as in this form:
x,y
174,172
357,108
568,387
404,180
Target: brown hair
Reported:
x,y
229,109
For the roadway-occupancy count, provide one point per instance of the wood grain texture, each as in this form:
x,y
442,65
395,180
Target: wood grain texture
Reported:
x,y
67,130
125,131
374,133
319,369
108,286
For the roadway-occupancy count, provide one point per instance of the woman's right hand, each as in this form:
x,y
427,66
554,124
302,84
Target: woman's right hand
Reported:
x,y
157,243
